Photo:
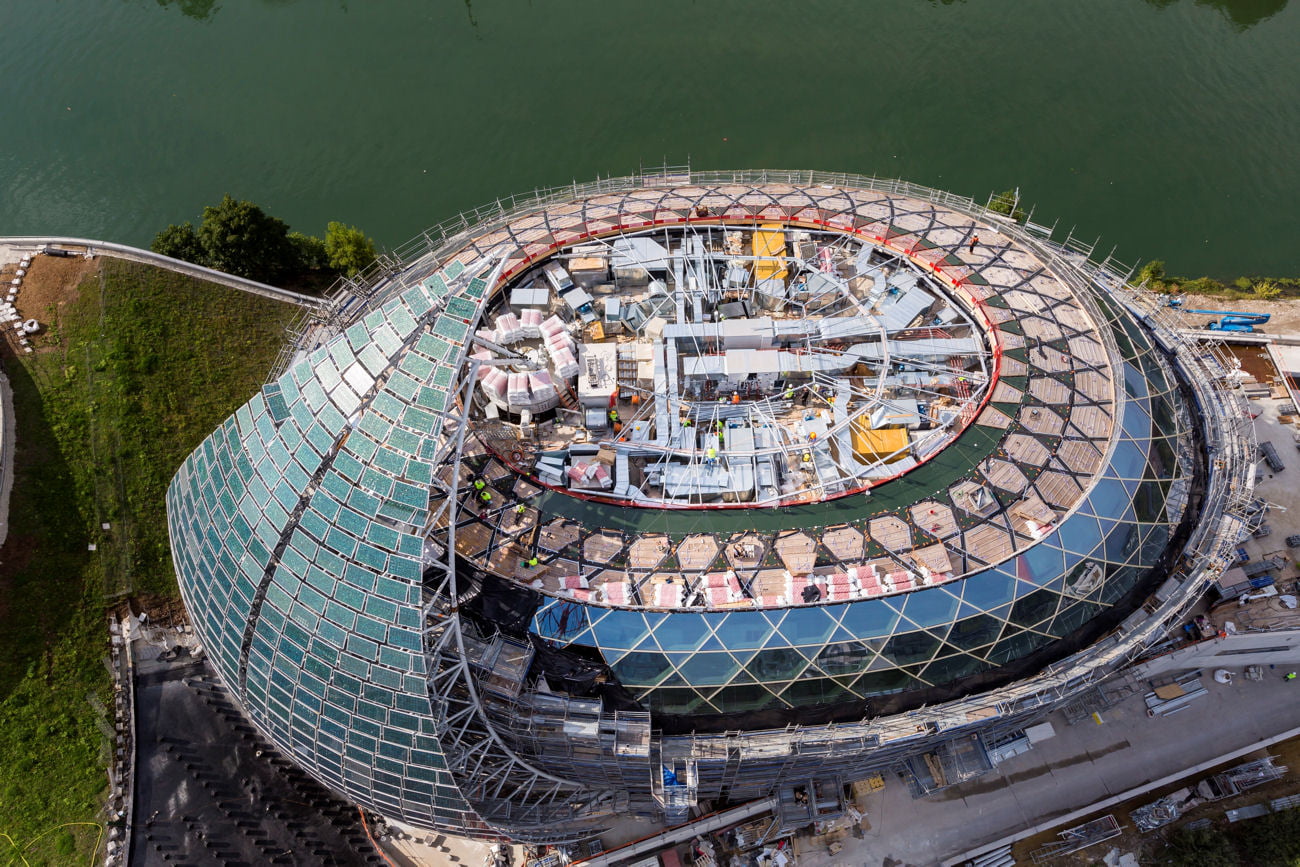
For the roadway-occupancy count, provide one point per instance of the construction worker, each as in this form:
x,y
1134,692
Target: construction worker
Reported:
x,y
485,496
711,456
531,562
613,416
479,484
520,509
789,394
1290,675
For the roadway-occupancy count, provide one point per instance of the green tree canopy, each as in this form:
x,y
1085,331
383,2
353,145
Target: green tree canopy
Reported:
x,y
349,249
309,251
240,238
179,241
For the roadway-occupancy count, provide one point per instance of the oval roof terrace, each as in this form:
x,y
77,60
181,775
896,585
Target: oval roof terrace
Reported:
x,y
966,408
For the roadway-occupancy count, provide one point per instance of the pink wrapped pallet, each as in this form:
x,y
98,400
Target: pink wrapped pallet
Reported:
x,y
566,364
530,323
494,383
508,330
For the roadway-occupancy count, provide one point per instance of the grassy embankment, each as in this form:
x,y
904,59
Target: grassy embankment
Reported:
x,y
133,373
1249,288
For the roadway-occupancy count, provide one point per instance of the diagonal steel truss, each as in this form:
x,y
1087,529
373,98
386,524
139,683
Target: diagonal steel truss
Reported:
x,y
509,793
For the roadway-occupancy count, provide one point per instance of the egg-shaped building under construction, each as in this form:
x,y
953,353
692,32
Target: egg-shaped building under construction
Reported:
x,y
701,486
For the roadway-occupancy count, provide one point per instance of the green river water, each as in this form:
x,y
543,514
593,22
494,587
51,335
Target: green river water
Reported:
x,y
1167,127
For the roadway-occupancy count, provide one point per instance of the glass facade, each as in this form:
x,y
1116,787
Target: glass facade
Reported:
x,y
299,527
295,532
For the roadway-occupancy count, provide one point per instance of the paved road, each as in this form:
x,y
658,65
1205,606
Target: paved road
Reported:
x,y
1083,764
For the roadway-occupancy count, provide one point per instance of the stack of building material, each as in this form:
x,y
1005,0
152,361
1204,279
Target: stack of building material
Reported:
x,y
494,383
530,322
544,395
721,588
668,595
617,592
589,476
508,330
517,394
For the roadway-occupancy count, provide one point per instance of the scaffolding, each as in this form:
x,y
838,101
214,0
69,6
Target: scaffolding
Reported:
x,y
550,767
1078,838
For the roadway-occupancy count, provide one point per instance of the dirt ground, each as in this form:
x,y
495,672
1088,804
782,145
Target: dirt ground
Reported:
x,y
1287,753
1285,314
49,284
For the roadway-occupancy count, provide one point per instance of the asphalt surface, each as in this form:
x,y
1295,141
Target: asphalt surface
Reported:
x,y
1083,764
210,791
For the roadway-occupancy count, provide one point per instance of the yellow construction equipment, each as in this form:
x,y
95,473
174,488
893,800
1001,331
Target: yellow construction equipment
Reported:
x,y
769,240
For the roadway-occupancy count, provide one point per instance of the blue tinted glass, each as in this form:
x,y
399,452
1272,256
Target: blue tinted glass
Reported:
x,y
807,626
846,657
870,619
1135,382
1040,564
988,589
930,607
620,629
681,632
1080,533
709,669
642,669
1108,498
776,665
1137,424
1121,541
1129,461
743,630
560,620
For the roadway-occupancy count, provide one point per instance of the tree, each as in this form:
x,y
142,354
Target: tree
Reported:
x,y
1203,847
240,238
1272,840
1266,290
1008,202
309,251
1152,274
349,249
179,241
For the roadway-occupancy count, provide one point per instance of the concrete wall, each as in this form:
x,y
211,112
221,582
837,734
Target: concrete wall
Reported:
x,y
1279,647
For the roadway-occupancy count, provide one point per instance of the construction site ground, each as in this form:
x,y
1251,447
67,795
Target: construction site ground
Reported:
x,y
1147,846
1285,315
1087,763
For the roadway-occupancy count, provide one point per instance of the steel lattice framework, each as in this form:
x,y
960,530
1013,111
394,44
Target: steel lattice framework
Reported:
x,y
323,541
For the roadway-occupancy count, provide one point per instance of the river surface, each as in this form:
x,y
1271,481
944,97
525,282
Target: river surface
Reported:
x,y
1170,128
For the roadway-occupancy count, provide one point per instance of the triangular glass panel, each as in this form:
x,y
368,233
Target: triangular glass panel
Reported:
x,y
712,643
804,626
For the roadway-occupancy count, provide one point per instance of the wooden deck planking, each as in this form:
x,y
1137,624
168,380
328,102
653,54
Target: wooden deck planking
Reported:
x,y
846,543
1081,456
1004,475
602,547
1041,420
1026,451
1059,489
892,532
989,543
935,518
696,553
994,418
798,552
1050,391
